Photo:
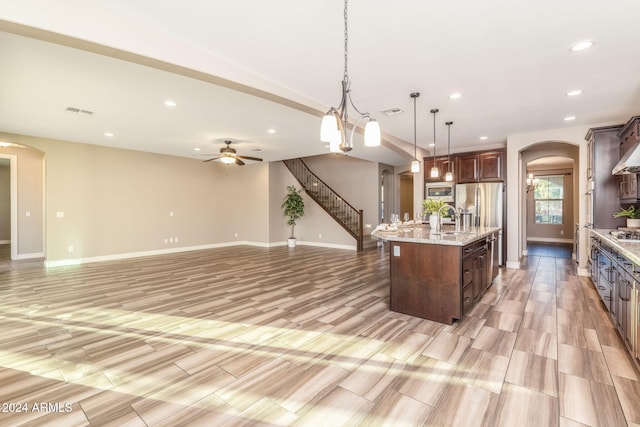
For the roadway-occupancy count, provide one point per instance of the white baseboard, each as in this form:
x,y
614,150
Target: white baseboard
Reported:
x,y
115,257
584,272
29,256
513,264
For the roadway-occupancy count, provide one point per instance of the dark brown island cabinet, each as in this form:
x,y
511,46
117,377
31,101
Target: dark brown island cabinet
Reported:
x,y
441,282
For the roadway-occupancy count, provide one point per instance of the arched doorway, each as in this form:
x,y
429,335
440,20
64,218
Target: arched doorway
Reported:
x,y
549,217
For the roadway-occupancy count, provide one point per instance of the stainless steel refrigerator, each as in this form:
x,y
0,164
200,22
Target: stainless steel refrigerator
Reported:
x,y
485,202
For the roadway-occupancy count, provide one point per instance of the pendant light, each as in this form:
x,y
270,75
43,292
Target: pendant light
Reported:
x,y
449,175
435,173
335,122
415,164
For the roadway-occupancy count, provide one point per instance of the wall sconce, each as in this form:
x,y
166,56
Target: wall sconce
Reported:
x,y
532,183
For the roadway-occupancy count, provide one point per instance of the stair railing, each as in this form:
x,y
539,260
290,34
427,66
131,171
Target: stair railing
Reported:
x,y
340,210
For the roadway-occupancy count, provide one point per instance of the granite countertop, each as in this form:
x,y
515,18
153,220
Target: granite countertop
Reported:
x,y
422,233
629,249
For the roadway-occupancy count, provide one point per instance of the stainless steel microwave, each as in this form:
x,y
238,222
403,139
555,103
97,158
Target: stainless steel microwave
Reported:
x,y
440,191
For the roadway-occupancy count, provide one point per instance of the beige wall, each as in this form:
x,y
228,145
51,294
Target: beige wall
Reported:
x,y
5,201
119,202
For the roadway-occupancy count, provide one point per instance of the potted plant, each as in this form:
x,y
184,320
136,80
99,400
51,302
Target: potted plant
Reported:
x,y
430,207
293,209
632,214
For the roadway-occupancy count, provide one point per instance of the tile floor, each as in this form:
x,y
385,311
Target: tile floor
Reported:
x,y
275,337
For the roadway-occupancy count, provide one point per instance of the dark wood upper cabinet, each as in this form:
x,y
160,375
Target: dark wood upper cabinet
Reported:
x,y
491,166
480,167
467,168
442,163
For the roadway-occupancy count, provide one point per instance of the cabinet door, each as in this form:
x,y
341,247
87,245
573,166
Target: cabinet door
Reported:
x,y
590,160
490,166
442,163
467,169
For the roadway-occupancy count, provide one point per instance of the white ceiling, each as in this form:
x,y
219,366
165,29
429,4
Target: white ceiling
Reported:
x,y
238,68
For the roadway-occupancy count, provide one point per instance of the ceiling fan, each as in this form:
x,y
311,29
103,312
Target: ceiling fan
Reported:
x,y
228,155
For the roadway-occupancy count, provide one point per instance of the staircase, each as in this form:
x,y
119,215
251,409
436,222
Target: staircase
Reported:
x,y
346,215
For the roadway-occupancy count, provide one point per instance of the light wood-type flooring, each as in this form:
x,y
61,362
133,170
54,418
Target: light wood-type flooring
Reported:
x,y
276,337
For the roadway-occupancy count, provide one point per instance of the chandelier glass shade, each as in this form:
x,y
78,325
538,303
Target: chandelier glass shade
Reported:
x,y
335,122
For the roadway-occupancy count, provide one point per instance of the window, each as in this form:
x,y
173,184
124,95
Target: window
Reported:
x,y
548,199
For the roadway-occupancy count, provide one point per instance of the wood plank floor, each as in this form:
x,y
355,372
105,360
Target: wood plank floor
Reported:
x,y
254,336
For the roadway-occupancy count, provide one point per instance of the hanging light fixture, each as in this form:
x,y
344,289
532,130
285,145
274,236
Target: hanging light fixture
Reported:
x,y
335,122
449,175
415,164
435,173
532,182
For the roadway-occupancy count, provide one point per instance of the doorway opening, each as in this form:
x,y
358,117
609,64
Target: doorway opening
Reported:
x,y
406,196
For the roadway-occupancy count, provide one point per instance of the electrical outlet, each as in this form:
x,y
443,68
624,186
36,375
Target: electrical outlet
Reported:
x,y
235,235
319,235
562,232
70,248
175,239
166,240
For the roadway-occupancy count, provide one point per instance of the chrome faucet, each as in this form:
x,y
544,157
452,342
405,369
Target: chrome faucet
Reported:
x,y
455,215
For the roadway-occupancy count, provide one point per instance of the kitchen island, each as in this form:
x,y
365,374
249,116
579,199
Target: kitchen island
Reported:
x,y
439,276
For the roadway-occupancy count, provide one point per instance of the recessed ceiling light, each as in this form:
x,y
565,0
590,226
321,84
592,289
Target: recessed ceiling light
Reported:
x,y
583,45
569,118
109,134
170,103
574,92
484,137
432,144
271,131
257,150
196,149
5,144
455,95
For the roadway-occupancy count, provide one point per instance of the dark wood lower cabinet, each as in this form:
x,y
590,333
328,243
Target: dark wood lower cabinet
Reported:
x,y
438,282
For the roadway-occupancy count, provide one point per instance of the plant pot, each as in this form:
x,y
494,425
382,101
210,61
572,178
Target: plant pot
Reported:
x,y
433,221
291,242
633,222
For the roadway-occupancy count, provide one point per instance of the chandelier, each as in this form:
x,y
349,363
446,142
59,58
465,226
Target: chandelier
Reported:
x,y
335,122
532,183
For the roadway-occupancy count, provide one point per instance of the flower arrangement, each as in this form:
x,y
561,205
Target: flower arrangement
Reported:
x,y
431,206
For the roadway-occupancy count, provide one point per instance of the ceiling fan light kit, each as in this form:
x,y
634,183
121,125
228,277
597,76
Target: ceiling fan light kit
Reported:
x,y
229,156
335,122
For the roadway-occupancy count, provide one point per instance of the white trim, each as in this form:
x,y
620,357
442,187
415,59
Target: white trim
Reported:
x,y
5,242
513,264
548,240
29,256
13,178
584,272
114,257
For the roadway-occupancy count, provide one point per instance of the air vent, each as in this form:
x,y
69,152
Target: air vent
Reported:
x,y
392,111
80,111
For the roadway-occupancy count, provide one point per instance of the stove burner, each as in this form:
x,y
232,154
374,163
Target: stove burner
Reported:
x,y
626,234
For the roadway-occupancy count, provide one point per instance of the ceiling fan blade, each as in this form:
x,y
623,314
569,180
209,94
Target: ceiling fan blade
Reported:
x,y
239,162
250,158
214,158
